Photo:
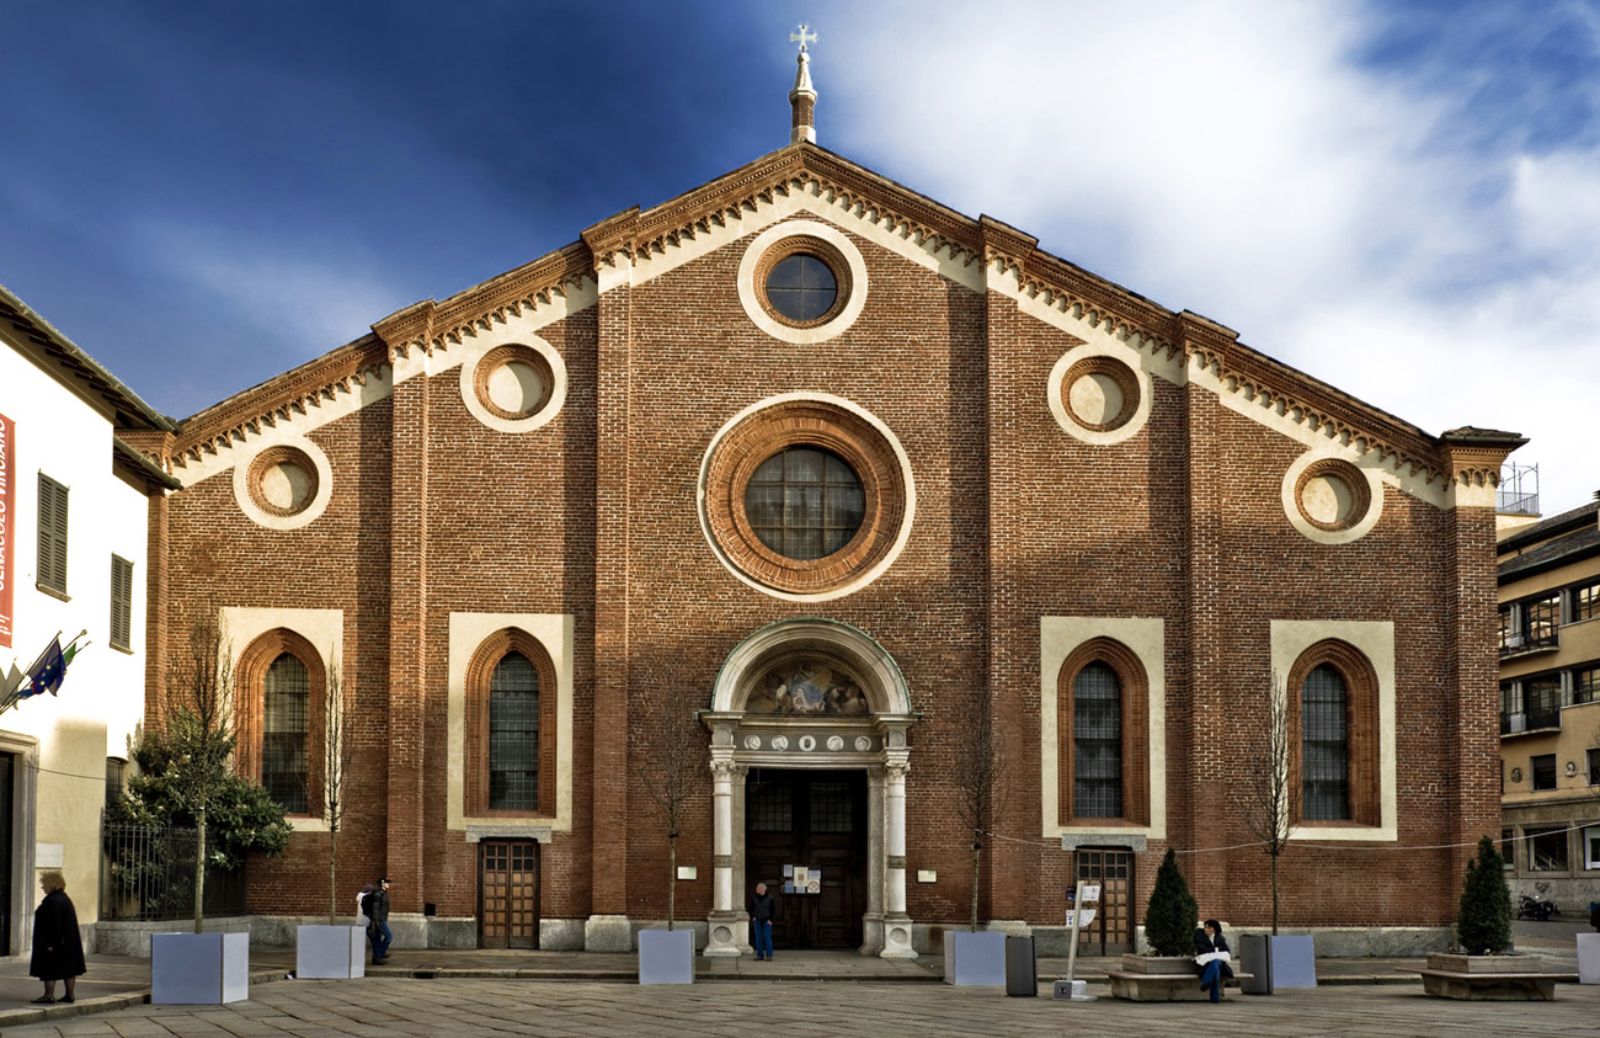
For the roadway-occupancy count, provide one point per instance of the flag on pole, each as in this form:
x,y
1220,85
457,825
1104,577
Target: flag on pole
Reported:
x,y
47,672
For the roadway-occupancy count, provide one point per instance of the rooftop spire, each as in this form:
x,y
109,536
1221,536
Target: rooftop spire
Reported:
x,y
803,98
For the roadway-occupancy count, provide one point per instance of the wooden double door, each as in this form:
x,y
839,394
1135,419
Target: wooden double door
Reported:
x,y
816,820
508,894
1111,933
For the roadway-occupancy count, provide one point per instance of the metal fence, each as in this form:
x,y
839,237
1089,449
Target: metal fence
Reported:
x,y
147,873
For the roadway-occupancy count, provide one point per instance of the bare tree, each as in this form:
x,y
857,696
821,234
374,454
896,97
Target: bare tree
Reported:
x,y
980,778
669,764
201,736
336,723
1265,800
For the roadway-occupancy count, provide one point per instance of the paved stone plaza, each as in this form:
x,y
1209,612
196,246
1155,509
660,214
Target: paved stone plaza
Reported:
x,y
386,1006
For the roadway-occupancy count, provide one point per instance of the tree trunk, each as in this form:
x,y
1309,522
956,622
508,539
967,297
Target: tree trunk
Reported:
x,y
977,863
333,873
199,869
672,877
1274,895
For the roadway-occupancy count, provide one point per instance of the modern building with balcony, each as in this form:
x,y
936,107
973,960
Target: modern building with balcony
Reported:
x,y
1549,574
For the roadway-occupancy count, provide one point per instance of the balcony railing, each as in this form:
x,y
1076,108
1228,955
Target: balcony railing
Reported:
x,y
1530,721
1525,644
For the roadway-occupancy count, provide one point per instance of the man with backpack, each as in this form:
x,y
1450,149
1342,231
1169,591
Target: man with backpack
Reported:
x,y
375,906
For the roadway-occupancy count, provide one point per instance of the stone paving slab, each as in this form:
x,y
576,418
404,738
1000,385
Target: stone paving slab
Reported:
x,y
458,1007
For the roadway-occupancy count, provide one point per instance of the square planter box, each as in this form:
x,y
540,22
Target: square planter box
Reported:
x,y
975,959
1486,963
1160,965
199,969
330,952
666,956
1292,961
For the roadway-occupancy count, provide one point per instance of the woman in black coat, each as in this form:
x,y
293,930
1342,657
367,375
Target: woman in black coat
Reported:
x,y
57,945
1212,955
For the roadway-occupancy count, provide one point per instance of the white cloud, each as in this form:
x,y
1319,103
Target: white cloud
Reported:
x,y
313,294
1234,159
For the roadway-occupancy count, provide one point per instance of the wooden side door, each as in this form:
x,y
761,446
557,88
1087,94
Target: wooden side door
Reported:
x,y
1111,933
508,894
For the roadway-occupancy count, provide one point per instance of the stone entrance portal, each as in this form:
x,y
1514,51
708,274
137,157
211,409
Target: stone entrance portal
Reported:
x,y
820,701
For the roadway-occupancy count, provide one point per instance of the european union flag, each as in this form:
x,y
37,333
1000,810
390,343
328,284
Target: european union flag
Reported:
x,y
48,671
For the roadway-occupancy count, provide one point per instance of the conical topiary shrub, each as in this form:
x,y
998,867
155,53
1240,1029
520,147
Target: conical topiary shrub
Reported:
x,y
1483,924
1169,919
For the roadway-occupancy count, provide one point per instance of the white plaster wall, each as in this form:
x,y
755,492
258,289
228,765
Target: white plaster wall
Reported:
x,y
554,631
101,702
1375,640
1145,637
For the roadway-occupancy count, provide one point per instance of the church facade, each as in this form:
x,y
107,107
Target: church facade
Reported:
x,y
835,493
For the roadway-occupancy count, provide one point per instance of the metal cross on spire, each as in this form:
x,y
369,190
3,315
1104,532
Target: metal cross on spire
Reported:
x,y
803,37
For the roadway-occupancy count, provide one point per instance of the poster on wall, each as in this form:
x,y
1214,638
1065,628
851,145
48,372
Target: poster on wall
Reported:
x,y
8,522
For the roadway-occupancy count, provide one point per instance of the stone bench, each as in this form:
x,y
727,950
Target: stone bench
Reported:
x,y
1164,987
1492,987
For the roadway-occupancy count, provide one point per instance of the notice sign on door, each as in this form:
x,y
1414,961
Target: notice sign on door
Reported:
x,y
8,525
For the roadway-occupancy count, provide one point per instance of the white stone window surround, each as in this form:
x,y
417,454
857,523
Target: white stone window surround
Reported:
x,y
1374,639
554,631
1145,637
282,436
908,518
750,292
1136,362
1367,466
508,335
323,628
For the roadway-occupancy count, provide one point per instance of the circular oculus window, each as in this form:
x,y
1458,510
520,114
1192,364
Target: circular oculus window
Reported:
x,y
513,382
805,497
1332,495
1100,393
283,481
803,281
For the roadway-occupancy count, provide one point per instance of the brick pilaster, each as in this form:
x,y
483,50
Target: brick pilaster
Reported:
x,y
408,587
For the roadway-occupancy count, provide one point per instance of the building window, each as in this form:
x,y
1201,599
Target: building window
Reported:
x,y
1103,707
52,535
1510,639
285,734
803,281
1332,494
1097,743
281,682
1541,700
1586,602
1511,718
1325,757
1547,849
1594,767
514,735
121,603
1586,685
1591,846
1333,705
1542,618
1543,768
116,767
1508,847
511,727
804,502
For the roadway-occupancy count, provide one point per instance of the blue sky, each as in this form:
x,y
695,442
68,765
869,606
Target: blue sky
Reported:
x,y
1401,198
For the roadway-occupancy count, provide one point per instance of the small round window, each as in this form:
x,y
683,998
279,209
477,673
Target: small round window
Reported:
x,y
804,503
1333,495
283,481
513,382
802,288
803,282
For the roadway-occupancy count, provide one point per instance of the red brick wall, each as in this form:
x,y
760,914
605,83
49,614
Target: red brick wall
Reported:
x,y
595,515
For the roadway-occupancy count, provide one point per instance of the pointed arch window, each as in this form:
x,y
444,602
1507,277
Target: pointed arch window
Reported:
x,y
1103,748
511,728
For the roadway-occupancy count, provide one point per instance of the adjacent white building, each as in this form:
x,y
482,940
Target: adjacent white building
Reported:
x,y
74,518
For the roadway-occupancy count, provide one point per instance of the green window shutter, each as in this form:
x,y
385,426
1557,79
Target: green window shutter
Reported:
x,y
52,534
121,602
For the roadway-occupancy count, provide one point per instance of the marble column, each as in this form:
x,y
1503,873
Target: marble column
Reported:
x,y
727,924
897,924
